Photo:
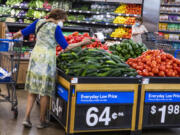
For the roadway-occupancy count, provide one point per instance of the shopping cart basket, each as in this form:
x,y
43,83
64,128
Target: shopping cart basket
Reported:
x,y
9,65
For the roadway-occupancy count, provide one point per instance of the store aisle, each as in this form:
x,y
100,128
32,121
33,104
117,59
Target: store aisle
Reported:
x,y
9,126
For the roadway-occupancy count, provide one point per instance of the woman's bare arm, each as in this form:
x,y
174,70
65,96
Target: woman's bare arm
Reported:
x,y
17,35
84,42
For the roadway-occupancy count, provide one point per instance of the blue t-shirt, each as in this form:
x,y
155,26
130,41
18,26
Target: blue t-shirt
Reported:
x,y
58,34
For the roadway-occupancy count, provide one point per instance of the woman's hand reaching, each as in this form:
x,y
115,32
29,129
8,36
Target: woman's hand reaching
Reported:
x,y
86,41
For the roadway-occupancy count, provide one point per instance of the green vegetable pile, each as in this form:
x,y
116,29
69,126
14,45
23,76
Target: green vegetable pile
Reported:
x,y
128,49
93,63
13,2
36,4
35,14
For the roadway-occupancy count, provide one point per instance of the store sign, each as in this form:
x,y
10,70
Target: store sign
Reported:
x,y
162,108
103,110
62,92
59,104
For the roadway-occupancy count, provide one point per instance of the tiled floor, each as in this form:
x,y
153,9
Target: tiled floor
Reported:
x,y
9,126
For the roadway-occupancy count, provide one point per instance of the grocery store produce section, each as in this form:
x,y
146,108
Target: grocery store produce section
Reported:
x,y
113,85
114,20
169,27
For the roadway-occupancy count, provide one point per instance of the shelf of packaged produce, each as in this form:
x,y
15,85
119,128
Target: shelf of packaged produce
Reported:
x,y
12,24
170,5
117,1
25,8
176,22
85,29
166,13
19,17
169,41
99,23
171,32
98,13
126,1
116,39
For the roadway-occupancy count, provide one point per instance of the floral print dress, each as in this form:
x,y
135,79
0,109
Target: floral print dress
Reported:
x,y
41,72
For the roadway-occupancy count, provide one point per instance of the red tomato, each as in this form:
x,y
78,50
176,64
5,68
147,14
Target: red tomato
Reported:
x,y
161,73
86,34
75,34
151,74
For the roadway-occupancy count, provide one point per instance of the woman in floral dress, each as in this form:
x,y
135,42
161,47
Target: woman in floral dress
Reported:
x,y
40,78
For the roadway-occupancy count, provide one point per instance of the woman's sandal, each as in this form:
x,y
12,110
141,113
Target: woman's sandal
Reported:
x,y
42,125
27,123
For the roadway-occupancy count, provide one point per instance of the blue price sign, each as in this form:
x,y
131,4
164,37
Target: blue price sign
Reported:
x,y
152,97
161,108
62,92
105,97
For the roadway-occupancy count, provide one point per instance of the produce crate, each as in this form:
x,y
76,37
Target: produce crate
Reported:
x,y
93,104
160,103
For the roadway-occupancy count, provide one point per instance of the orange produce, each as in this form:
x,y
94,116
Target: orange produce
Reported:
x,y
156,63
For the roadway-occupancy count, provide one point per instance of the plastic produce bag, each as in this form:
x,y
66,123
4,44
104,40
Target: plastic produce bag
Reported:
x,y
4,74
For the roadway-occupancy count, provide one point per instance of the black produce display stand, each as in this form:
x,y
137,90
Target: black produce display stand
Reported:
x,y
160,103
88,104
93,104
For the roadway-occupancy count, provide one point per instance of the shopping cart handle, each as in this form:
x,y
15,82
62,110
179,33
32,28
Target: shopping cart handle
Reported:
x,y
10,40
175,53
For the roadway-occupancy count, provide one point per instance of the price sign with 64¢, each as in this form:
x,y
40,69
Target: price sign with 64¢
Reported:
x,y
103,110
162,108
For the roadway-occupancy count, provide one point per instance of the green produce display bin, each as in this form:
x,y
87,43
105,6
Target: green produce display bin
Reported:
x,y
92,104
160,103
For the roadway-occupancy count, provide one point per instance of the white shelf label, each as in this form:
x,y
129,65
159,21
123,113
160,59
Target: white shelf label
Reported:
x,y
145,81
74,80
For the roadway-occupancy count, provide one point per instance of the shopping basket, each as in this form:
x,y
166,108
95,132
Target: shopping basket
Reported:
x,y
9,66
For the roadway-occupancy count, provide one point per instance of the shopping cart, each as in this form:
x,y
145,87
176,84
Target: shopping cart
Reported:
x,y
9,64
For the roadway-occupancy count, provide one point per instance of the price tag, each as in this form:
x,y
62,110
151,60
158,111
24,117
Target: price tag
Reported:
x,y
127,15
78,21
97,12
93,22
88,12
161,108
80,11
103,110
87,22
74,11
37,8
47,9
74,80
115,24
125,25
145,81
30,8
70,10
106,23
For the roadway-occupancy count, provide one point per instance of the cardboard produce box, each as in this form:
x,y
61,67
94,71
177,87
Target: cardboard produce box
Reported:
x,y
2,30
